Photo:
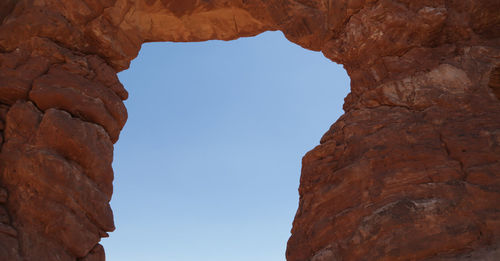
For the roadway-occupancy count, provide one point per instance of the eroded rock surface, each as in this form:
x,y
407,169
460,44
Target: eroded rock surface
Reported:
x,y
411,171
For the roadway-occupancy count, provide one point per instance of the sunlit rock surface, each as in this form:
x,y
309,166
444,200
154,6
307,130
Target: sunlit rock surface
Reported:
x,y
411,171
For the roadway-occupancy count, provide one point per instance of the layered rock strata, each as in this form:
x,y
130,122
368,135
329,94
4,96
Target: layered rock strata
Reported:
x,y
411,171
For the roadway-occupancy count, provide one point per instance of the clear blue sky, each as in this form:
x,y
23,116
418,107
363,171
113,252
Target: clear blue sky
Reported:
x,y
207,167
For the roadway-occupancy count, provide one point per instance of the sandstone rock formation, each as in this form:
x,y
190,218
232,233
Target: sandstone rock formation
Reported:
x,y
411,171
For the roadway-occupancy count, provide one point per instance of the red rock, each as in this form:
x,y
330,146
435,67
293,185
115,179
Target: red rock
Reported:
x,y
9,246
96,254
409,172
82,98
3,195
74,210
83,143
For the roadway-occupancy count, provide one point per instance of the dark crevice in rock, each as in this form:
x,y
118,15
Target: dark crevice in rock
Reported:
x,y
6,7
449,155
494,82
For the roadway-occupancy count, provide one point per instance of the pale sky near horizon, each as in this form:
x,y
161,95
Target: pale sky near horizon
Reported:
x,y
207,167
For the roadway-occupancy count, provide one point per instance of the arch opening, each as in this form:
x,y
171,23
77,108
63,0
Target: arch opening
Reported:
x,y
208,165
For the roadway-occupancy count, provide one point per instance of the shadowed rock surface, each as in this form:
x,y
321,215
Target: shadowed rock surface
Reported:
x,y
411,171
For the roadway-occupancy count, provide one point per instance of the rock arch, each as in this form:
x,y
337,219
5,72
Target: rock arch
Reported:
x,y
409,172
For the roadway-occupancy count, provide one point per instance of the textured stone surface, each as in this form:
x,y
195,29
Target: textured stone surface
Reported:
x,y
411,171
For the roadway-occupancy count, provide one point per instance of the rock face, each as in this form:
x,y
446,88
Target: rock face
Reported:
x,y
411,171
